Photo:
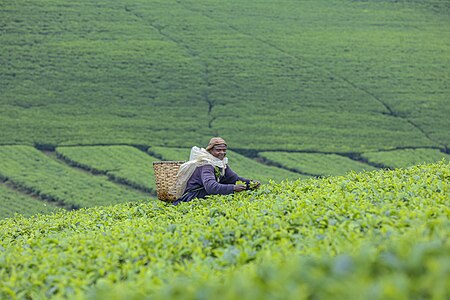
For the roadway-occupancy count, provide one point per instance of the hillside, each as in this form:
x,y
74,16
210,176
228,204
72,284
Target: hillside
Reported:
x,y
299,89
377,235
334,75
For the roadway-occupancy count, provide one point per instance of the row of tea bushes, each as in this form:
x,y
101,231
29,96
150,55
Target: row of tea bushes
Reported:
x,y
13,202
124,164
42,176
403,158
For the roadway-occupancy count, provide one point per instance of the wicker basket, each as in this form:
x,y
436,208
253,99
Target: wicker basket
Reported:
x,y
165,178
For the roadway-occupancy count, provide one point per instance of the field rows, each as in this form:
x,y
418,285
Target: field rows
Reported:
x,y
299,89
405,158
13,202
53,180
124,164
111,168
353,78
315,163
42,176
321,76
319,164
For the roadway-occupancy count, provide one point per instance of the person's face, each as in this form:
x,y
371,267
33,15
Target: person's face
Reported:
x,y
219,151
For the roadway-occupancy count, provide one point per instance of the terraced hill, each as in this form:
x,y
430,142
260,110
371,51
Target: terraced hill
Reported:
x,y
300,88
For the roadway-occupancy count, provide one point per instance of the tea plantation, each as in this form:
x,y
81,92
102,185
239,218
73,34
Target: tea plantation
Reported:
x,y
377,235
93,92
298,89
337,76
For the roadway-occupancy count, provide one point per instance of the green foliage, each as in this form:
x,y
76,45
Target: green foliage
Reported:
x,y
42,176
242,165
166,153
123,164
405,157
378,235
13,202
251,185
325,75
315,163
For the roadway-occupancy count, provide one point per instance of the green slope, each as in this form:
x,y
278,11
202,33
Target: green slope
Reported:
x,y
378,235
42,176
123,164
405,157
347,77
12,202
326,75
316,163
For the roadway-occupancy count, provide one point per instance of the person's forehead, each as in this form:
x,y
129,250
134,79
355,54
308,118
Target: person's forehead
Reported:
x,y
220,147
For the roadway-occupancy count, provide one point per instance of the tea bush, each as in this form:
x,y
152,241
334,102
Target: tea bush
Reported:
x,y
377,235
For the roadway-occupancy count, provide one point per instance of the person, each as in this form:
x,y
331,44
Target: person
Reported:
x,y
207,173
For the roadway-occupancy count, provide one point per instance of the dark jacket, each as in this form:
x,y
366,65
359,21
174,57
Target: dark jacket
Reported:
x,y
203,182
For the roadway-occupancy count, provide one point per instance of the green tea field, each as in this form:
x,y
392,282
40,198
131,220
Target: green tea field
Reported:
x,y
340,108
93,92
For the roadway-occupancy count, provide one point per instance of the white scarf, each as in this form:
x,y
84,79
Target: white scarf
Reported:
x,y
198,157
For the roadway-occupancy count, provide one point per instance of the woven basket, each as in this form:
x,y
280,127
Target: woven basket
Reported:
x,y
165,178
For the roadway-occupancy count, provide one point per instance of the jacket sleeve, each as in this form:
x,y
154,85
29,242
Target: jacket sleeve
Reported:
x,y
231,177
212,187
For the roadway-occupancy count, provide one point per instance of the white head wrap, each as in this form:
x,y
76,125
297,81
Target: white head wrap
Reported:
x,y
198,157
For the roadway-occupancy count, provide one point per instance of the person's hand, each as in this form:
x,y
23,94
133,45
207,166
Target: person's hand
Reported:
x,y
254,184
239,187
